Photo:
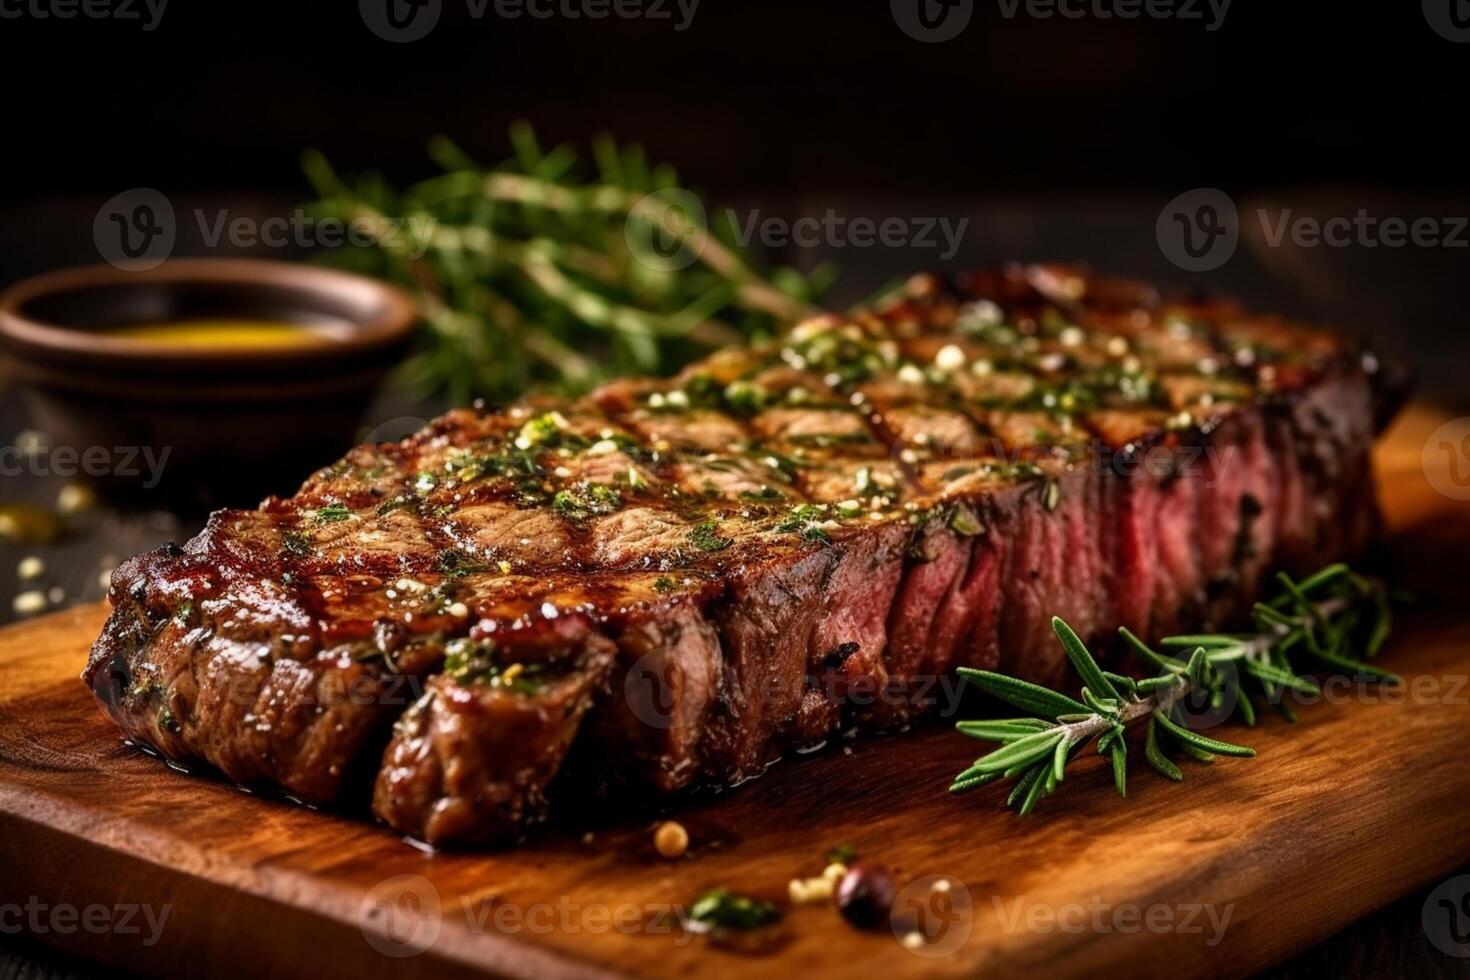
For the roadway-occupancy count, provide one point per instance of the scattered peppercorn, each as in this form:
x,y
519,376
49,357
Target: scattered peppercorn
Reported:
x,y
670,839
865,894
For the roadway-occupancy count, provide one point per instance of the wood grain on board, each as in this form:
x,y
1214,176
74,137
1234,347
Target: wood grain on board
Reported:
x,y
1353,807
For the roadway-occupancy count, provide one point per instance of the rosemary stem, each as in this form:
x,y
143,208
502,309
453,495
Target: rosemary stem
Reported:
x,y
1034,750
1081,731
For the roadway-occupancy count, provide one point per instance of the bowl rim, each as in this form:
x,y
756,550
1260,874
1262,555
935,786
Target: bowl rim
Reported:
x,y
390,322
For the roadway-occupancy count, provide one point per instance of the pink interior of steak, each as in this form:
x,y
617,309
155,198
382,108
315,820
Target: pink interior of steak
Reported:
x,y
681,579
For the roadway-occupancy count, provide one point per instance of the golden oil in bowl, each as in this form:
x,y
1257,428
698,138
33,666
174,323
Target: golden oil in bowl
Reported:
x,y
224,333
250,373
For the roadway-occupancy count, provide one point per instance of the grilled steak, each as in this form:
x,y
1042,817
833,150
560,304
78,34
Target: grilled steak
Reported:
x,y
680,580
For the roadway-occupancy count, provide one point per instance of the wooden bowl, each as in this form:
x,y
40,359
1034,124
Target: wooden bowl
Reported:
x,y
236,422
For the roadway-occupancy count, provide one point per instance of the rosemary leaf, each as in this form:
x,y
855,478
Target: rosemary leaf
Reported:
x,y
1197,667
1199,741
1156,757
1246,707
1059,759
1038,785
969,779
1382,624
1143,650
1120,767
1207,640
1023,786
994,731
1023,694
1021,751
1312,583
1092,674
1356,667
1274,675
1285,710
1196,753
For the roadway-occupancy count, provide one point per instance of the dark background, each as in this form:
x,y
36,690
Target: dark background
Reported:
x,y
752,98
1056,138
1059,138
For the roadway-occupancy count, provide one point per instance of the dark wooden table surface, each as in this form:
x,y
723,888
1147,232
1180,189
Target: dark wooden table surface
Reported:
x,y
1405,298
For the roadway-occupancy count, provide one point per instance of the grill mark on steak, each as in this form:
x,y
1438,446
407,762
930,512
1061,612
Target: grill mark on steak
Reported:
x,y
636,554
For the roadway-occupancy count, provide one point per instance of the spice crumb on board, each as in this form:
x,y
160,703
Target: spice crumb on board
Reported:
x,y
670,839
804,891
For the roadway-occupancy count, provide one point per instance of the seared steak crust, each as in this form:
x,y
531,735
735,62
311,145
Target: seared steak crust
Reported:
x,y
682,579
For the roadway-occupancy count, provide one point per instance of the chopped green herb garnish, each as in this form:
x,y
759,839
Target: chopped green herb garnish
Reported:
x,y
706,537
331,514
765,495
296,543
962,521
846,356
745,398
807,521
720,908
389,506
453,564
586,500
826,440
474,662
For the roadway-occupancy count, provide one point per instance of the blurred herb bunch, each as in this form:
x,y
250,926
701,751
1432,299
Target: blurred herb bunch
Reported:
x,y
530,275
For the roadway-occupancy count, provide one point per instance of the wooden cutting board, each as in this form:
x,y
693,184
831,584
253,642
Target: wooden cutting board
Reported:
x,y
1340,814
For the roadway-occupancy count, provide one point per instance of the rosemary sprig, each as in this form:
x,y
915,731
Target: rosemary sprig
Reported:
x,y
1325,618
529,275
